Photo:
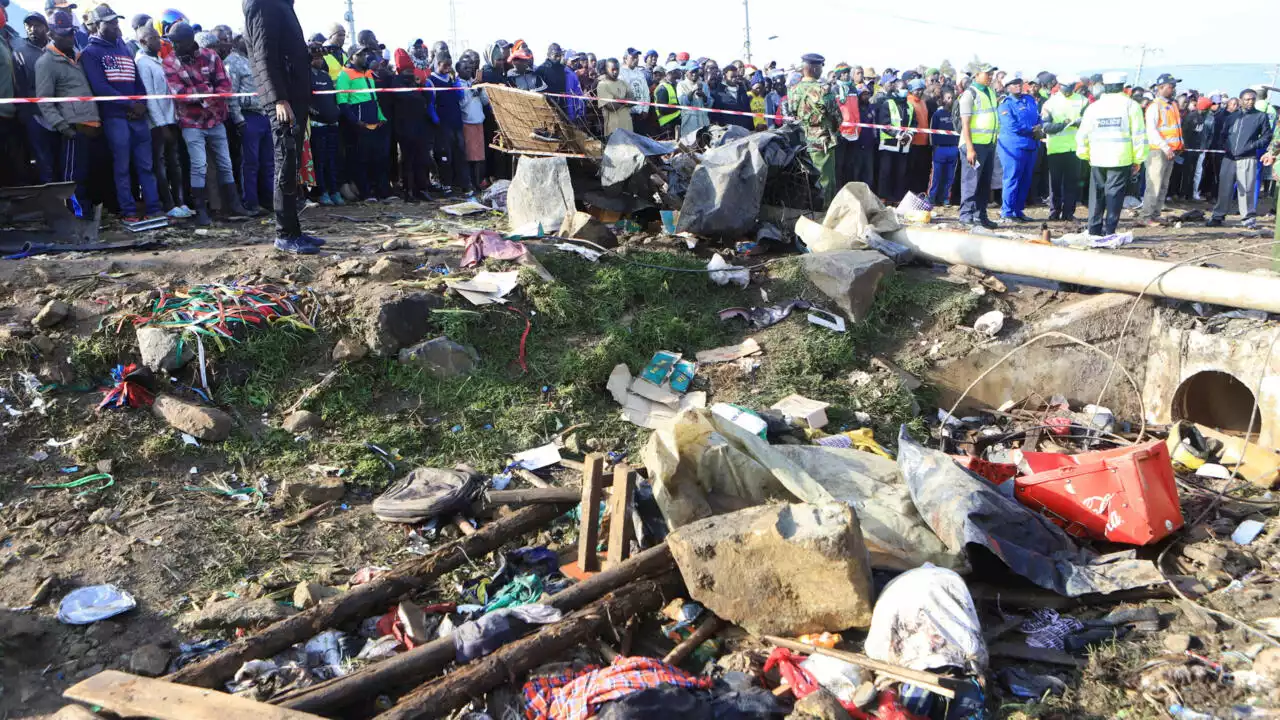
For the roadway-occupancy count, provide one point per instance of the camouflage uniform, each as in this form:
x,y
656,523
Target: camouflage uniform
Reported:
x,y
815,109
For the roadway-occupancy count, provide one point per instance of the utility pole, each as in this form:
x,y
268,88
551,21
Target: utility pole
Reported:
x,y
453,26
746,12
1142,59
350,17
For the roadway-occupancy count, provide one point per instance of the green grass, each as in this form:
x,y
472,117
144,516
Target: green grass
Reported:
x,y
594,316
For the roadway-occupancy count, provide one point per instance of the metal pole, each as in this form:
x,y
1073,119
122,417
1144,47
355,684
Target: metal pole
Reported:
x,y
351,22
746,12
453,27
1141,59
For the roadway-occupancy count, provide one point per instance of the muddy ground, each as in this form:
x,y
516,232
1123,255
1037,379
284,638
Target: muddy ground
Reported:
x,y
166,534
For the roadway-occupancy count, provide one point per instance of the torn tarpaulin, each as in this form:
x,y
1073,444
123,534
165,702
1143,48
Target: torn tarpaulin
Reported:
x,y
964,511
625,155
489,244
765,316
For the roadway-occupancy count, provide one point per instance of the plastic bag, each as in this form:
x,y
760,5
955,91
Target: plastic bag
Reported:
x,y
925,618
90,604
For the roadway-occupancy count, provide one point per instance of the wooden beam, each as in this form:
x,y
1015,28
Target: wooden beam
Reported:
x,y
425,661
364,600
530,478
620,530
589,514
705,631
537,496
132,696
438,698
927,680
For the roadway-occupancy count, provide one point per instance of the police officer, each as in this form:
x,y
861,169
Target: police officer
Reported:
x,y
1019,123
896,112
814,108
1113,138
1061,115
979,124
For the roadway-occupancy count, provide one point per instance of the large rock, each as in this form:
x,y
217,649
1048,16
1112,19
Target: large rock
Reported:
x,y
149,661
441,357
349,349
395,318
582,226
301,421
231,614
206,423
53,312
848,277
386,270
161,349
313,491
779,569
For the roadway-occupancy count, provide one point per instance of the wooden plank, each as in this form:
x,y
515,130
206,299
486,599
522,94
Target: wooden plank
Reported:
x,y
538,496
589,514
132,696
927,680
530,478
705,631
620,531
74,712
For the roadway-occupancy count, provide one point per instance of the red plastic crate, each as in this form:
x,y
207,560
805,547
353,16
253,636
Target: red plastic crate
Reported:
x,y
994,472
1127,495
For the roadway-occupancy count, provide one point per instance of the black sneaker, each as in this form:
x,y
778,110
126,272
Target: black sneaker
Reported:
x,y
295,246
1214,222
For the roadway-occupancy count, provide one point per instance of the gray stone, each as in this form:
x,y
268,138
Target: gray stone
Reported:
x,y
231,614
301,421
582,226
848,277
309,594
779,569
313,491
161,349
43,343
394,318
206,423
56,373
441,357
386,270
1177,643
820,705
149,661
349,349
53,312
91,671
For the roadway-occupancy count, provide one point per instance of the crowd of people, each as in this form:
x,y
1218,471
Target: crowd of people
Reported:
x,y
416,119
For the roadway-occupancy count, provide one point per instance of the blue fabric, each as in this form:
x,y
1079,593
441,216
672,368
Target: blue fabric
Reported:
x,y
44,145
975,184
257,158
200,143
1019,117
448,103
942,120
131,139
1019,166
97,56
324,153
945,160
573,107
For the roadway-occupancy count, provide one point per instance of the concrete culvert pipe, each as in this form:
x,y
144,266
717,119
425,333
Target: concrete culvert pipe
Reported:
x,y
1217,400
1098,269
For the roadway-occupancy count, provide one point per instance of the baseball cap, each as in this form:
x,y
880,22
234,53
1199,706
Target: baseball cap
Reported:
x,y
51,5
1115,78
651,53
103,13
139,20
985,67
1015,80
181,31
632,51
63,23
682,57
1165,79
1203,104
35,18
915,84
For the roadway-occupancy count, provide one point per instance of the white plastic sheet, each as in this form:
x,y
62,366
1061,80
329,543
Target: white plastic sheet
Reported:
x,y
925,619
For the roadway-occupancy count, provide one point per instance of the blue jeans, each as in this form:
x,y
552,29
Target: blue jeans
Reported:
x,y
1018,166
44,146
257,158
945,160
324,153
216,136
975,184
131,140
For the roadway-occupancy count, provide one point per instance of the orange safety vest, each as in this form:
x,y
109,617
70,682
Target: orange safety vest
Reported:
x,y
850,117
1169,123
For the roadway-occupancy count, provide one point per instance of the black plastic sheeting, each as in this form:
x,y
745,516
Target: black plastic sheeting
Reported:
x,y
625,155
725,192
964,510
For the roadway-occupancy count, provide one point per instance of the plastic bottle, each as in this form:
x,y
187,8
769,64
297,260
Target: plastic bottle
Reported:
x,y
1183,713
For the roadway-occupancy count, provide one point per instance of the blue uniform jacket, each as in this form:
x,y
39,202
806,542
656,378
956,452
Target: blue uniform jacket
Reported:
x,y
1019,117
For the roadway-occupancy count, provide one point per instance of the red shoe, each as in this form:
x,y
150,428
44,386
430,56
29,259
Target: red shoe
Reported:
x,y
131,219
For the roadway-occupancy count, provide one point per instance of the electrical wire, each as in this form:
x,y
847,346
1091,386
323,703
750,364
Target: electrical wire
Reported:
x,y
1142,430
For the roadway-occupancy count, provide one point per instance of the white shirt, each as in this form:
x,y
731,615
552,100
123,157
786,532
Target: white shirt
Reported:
x,y
635,80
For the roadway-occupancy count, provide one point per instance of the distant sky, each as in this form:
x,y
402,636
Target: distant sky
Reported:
x,y
1014,34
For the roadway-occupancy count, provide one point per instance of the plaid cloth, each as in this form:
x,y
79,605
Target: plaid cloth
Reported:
x,y
570,696
203,74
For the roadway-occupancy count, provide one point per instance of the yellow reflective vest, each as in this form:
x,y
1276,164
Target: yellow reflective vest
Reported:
x,y
1062,109
666,116
1113,132
985,122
